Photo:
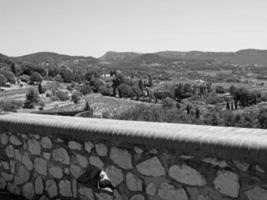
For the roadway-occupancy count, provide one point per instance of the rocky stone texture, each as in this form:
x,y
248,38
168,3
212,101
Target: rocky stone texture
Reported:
x,y
65,188
34,147
115,175
133,182
227,183
256,193
121,157
151,167
96,161
51,188
46,143
74,145
101,149
40,166
86,193
187,175
61,155
28,191
169,192
45,167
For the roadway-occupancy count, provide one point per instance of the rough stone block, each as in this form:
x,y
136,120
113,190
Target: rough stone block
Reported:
x,y
65,188
40,166
74,145
34,147
51,188
187,175
38,185
88,146
133,182
101,149
61,155
22,175
114,174
169,192
56,172
15,140
28,191
96,161
227,183
256,193
46,143
86,193
151,167
121,157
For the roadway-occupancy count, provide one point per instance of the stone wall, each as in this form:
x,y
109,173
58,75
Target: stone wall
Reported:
x,y
50,165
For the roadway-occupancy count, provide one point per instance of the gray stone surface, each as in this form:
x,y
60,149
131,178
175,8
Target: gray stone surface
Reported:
x,y
5,165
74,145
7,177
256,193
38,185
151,167
169,192
227,183
17,155
51,188
96,161
27,162
133,182
137,197
10,151
2,183
46,143
46,155
13,189
34,147
114,174
243,166
88,146
22,175
56,172
103,196
82,160
4,139
65,188
12,164
74,186
151,189
187,175
15,140
101,149
61,155
75,170
40,166
86,193
28,191
121,157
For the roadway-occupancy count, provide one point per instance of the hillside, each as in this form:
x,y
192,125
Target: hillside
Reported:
x,y
49,59
246,56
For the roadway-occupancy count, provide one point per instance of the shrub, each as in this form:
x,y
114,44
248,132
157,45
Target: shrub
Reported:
x,y
3,80
25,78
58,78
61,95
9,76
76,97
86,89
125,90
11,105
32,97
36,77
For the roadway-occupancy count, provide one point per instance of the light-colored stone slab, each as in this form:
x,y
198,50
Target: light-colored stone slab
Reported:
x,y
101,149
22,175
61,155
151,167
121,157
56,172
169,192
227,183
187,175
133,182
114,174
40,166
74,145
65,188
51,188
34,147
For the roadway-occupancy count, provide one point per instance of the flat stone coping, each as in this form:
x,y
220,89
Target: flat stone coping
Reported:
x,y
171,135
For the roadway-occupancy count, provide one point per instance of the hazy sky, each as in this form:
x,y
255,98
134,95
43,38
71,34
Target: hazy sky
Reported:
x,y
92,27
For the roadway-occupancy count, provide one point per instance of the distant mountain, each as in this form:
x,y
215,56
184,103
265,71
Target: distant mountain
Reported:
x,y
45,59
118,56
246,56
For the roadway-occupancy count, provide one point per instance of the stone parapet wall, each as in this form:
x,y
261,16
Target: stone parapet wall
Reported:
x,y
40,159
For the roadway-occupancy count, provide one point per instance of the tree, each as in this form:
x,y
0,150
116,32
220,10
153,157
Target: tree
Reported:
x,y
67,75
150,81
137,92
58,78
61,95
9,76
36,78
262,118
3,80
32,97
125,91
197,113
76,97
85,89
91,75
96,83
